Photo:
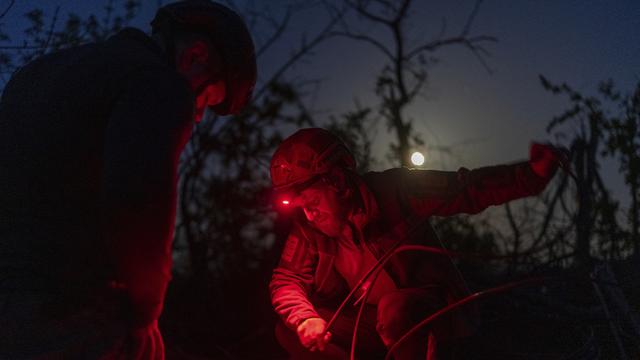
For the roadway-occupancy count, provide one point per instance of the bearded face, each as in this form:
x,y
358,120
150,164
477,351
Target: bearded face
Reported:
x,y
324,208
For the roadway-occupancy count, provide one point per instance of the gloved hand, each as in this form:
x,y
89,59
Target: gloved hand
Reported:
x,y
311,333
145,343
545,159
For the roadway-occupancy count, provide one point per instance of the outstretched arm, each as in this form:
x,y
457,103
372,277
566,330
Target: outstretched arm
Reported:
x,y
446,193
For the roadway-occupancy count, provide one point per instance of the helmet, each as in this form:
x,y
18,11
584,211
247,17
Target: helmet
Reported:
x,y
307,154
228,32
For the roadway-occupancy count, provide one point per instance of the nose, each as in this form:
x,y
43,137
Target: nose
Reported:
x,y
311,214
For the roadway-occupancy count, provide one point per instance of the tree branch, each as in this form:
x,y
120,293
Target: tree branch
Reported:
x,y
4,13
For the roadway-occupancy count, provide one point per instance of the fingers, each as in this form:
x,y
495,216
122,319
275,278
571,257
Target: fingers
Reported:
x,y
319,343
323,341
327,337
312,335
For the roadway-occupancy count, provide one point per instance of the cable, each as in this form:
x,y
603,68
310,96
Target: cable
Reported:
x,y
463,301
377,268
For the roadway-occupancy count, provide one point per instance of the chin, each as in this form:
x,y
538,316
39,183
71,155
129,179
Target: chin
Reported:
x,y
330,233
330,229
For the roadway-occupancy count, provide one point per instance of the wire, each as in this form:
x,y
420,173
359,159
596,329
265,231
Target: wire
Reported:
x,y
463,301
377,269
352,353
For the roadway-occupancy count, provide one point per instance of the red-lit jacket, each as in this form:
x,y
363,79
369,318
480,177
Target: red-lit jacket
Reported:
x,y
90,139
395,201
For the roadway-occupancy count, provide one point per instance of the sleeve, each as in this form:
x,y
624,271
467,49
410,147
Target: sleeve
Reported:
x,y
445,193
292,280
145,134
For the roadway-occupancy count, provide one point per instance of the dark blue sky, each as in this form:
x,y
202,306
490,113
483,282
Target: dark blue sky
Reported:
x,y
491,118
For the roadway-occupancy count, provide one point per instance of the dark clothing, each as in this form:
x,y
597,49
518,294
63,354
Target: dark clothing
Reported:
x,y
89,144
394,202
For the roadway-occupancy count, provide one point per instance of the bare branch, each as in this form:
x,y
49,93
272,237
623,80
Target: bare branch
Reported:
x,y
402,12
324,34
368,39
551,209
50,33
478,52
472,16
361,9
434,45
279,30
4,13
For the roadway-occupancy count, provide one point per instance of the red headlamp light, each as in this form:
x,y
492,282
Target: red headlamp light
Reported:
x,y
286,202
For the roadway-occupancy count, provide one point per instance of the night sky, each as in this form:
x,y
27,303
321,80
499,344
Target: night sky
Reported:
x,y
487,118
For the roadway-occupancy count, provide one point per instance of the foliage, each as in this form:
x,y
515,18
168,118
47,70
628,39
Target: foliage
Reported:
x,y
595,127
405,73
228,237
44,35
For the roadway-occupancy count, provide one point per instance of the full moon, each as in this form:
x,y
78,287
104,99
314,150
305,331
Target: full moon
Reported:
x,y
417,158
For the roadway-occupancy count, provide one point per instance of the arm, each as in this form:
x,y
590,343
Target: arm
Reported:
x,y
292,280
145,134
471,191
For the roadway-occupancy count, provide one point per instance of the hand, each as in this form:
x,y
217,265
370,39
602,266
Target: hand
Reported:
x,y
545,159
312,335
146,342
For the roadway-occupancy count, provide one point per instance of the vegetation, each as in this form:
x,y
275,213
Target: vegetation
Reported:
x,y
228,237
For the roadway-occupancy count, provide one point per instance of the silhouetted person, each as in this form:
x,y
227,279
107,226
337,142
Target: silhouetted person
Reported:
x,y
89,144
348,221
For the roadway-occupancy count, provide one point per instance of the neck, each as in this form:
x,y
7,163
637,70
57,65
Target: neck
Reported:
x,y
351,233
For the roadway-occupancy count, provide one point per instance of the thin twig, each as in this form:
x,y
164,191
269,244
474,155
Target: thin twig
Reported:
x,y
50,33
7,9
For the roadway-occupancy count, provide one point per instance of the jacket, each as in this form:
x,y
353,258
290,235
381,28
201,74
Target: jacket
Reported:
x,y
398,203
90,138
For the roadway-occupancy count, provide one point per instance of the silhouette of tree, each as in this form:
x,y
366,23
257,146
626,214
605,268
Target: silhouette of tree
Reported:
x,y
405,74
595,217
43,35
623,140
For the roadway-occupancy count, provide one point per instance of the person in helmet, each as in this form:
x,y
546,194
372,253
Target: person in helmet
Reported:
x,y
344,222
90,138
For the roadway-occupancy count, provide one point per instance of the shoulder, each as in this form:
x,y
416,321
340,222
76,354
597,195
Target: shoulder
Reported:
x,y
156,93
143,70
385,180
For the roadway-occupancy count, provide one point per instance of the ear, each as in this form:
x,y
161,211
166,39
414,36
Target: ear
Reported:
x,y
195,54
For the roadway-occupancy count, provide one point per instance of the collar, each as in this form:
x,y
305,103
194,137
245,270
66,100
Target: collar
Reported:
x,y
368,211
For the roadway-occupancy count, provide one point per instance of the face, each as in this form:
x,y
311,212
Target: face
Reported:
x,y
201,65
323,208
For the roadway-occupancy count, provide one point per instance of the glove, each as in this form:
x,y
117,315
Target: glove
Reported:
x,y
311,333
544,159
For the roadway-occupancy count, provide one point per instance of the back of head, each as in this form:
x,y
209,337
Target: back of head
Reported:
x,y
227,32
